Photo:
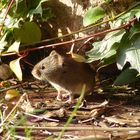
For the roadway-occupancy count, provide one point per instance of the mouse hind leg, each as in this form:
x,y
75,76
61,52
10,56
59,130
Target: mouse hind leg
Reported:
x,y
70,98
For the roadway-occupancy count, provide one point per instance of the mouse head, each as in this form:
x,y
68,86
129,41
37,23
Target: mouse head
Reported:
x,y
47,66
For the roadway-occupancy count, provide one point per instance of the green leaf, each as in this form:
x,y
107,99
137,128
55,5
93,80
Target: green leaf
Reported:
x,y
35,7
136,11
108,1
126,17
121,20
15,67
28,33
134,30
14,47
24,9
107,47
36,3
110,60
3,43
17,1
93,15
2,3
129,52
47,14
126,77
20,9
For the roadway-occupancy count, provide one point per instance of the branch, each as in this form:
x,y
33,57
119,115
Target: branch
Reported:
x,y
79,128
76,40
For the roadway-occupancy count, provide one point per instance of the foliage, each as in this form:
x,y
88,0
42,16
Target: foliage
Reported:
x,y
93,15
20,26
129,51
129,75
15,67
106,47
120,46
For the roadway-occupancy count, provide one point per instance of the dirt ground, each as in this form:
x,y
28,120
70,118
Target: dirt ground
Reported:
x,y
110,113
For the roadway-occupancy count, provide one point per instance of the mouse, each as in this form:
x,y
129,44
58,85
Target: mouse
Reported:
x,y
65,74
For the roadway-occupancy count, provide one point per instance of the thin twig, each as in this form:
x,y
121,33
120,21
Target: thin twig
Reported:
x,y
78,128
41,117
18,85
13,109
11,87
76,40
86,28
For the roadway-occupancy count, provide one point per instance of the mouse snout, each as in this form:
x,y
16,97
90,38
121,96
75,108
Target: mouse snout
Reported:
x,y
36,73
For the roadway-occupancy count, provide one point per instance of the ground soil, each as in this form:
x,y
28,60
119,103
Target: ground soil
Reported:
x,y
108,113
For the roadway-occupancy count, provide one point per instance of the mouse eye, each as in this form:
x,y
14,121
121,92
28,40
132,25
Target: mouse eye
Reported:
x,y
43,67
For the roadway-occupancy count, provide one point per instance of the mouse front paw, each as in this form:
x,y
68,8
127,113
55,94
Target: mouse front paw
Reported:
x,y
59,96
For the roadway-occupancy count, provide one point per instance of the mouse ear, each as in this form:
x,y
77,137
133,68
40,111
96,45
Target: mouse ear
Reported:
x,y
56,57
53,53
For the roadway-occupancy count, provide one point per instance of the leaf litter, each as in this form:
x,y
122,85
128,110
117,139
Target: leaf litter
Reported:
x,y
114,113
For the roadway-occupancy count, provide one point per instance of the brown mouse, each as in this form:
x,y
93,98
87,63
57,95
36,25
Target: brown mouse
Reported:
x,y
65,74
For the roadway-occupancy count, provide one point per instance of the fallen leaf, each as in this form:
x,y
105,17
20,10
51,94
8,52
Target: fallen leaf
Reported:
x,y
15,66
11,93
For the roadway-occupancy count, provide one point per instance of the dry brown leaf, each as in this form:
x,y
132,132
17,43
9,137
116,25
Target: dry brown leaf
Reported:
x,y
11,93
